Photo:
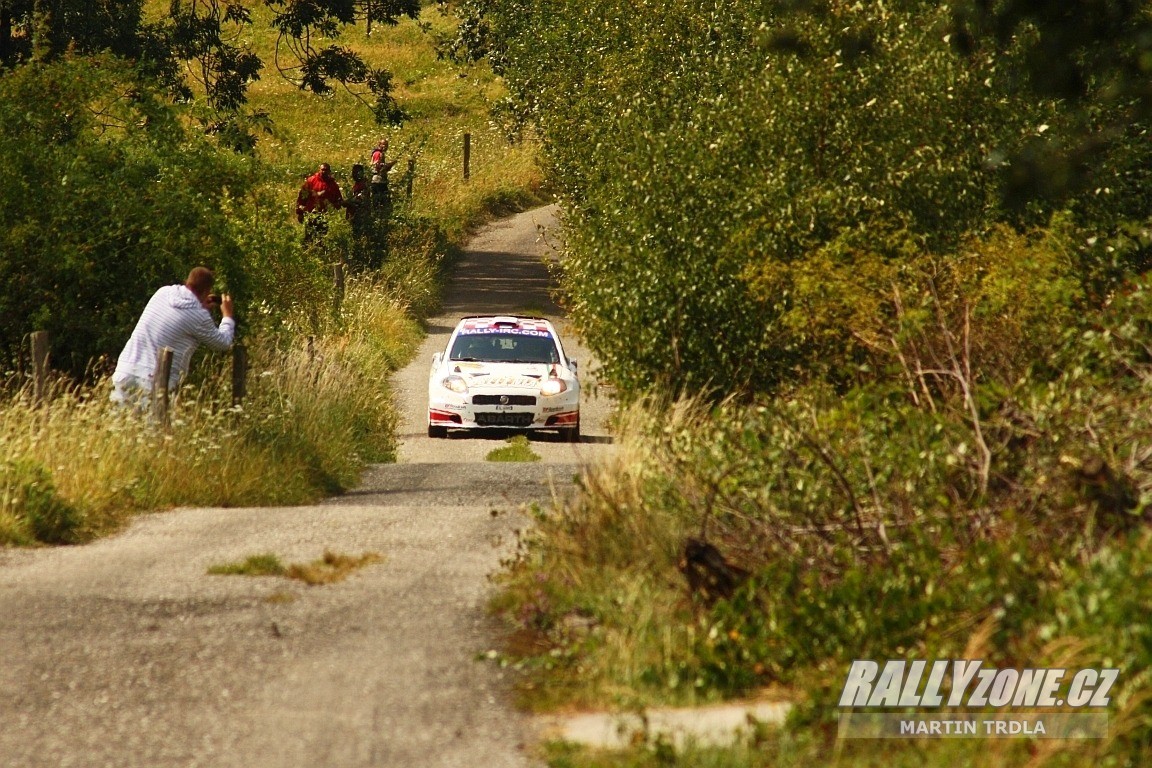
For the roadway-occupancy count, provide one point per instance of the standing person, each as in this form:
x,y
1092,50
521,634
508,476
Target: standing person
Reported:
x,y
356,208
318,193
381,195
357,202
177,317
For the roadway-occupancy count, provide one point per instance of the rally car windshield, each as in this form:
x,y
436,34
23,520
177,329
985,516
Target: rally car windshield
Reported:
x,y
505,348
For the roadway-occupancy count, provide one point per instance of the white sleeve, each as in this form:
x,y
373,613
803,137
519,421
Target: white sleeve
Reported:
x,y
212,337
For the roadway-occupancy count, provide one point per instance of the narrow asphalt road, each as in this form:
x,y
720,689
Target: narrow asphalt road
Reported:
x,y
125,652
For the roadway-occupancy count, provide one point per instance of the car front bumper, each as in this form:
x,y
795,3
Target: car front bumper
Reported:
x,y
485,409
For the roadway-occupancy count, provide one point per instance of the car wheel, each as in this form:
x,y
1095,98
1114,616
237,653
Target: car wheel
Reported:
x,y
435,431
571,434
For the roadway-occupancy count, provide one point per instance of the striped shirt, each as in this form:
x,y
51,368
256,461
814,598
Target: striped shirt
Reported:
x,y
176,319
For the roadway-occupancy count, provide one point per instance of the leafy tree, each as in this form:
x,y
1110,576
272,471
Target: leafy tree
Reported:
x,y
386,11
1091,50
107,197
707,150
704,147
54,25
1096,56
206,34
300,22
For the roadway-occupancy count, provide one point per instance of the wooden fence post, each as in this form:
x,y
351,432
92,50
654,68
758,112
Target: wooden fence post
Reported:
x,y
160,386
467,155
411,176
239,373
40,366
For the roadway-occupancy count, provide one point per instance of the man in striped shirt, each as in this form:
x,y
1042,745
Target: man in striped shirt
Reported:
x,y
177,317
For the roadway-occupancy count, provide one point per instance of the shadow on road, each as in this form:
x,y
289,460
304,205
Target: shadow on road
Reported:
x,y
534,436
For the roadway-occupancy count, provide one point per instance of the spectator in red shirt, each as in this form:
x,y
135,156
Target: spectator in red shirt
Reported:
x,y
318,193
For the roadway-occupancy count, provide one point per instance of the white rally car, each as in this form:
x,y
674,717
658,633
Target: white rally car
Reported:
x,y
501,372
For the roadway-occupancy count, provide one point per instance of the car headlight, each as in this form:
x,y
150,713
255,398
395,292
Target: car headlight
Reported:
x,y
553,387
455,383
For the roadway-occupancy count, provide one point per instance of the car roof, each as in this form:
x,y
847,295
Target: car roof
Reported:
x,y
517,322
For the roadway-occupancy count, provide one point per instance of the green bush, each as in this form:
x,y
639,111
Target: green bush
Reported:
x,y
1007,522
111,198
862,311
30,508
715,160
699,146
1103,604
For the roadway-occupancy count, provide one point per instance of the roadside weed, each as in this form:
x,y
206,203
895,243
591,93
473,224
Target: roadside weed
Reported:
x,y
331,568
517,449
328,569
253,565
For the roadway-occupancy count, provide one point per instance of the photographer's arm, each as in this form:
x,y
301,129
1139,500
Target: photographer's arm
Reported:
x,y
213,337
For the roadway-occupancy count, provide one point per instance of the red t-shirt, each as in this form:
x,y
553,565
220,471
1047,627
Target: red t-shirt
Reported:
x,y
318,193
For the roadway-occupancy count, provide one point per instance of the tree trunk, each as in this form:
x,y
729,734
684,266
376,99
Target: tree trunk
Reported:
x,y
7,54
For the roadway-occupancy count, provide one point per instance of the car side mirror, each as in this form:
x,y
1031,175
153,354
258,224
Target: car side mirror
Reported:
x,y
436,359
572,365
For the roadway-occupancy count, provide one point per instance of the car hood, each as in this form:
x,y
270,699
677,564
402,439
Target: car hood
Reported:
x,y
505,375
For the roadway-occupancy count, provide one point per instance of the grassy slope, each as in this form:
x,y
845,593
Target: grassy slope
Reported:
x,y
444,101
83,469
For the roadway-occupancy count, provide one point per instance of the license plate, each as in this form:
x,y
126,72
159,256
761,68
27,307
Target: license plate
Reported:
x,y
504,419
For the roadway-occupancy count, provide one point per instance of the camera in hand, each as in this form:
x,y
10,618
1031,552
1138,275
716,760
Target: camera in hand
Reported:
x,y
213,298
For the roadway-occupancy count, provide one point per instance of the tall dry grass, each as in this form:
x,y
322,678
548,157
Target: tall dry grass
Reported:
x,y
313,416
